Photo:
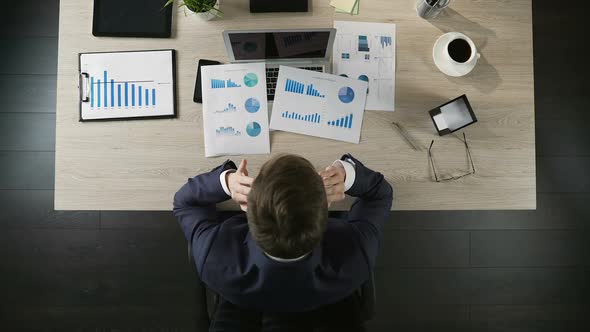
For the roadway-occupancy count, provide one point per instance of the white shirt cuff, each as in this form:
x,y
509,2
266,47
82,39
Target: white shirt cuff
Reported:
x,y
350,173
223,182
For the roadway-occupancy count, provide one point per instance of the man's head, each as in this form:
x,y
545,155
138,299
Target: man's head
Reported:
x,y
287,207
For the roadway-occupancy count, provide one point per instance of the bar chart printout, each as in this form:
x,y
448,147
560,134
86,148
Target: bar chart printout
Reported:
x,y
344,122
235,109
229,108
300,88
372,59
363,44
227,131
108,90
221,84
314,118
385,41
127,84
338,115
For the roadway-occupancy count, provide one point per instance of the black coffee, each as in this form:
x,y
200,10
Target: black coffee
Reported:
x,y
460,50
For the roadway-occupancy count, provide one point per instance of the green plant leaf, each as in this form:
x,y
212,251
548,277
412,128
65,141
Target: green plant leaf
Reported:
x,y
198,6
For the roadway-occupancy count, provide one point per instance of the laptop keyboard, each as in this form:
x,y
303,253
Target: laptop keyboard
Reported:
x,y
272,74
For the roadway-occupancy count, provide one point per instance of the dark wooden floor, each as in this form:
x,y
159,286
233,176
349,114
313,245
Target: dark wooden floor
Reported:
x,y
119,271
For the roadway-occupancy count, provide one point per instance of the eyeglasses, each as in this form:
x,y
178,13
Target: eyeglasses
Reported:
x,y
452,177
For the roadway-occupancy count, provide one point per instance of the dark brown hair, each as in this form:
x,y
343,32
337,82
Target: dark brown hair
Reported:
x,y
287,207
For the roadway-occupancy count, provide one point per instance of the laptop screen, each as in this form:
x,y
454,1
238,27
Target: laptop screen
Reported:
x,y
279,45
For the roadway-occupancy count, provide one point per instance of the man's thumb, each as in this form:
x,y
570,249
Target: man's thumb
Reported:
x,y
242,168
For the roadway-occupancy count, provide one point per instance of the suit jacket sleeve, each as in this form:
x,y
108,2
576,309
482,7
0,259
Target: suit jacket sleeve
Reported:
x,y
371,209
195,209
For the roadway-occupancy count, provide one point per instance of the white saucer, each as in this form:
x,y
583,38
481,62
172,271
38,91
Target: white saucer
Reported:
x,y
448,66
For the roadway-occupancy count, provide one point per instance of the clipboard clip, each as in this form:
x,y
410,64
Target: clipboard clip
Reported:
x,y
84,87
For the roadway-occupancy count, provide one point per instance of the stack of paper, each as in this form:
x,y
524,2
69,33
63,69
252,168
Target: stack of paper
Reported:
x,y
366,51
346,6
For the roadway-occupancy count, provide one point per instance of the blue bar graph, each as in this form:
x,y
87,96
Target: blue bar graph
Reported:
x,y
105,88
344,122
107,92
220,84
231,84
217,84
363,45
230,108
313,118
126,94
227,131
300,88
112,92
385,41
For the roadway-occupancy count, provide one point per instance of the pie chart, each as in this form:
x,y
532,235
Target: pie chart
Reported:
x,y
346,95
250,80
252,105
364,78
253,129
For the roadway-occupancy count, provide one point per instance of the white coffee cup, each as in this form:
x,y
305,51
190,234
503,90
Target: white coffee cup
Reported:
x,y
445,62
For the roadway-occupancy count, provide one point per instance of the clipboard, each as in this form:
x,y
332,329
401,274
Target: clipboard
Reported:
x,y
453,115
127,85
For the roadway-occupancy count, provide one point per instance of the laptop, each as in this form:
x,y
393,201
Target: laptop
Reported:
x,y
309,49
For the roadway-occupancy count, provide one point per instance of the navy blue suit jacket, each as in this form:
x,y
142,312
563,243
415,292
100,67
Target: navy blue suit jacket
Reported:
x,y
230,262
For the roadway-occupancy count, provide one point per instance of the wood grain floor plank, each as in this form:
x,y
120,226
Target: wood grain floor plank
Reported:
x,y
531,318
27,132
155,220
28,93
563,174
401,248
483,286
522,286
37,18
28,55
27,170
560,91
163,317
563,137
89,267
569,248
25,209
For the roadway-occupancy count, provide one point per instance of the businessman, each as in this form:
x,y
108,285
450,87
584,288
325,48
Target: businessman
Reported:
x,y
281,262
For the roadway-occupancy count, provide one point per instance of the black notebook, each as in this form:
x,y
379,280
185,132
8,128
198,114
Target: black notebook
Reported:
x,y
132,18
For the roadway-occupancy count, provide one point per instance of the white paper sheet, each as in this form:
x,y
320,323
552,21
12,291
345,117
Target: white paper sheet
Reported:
x,y
456,114
319,104
235,109
128,84
441,124
366,51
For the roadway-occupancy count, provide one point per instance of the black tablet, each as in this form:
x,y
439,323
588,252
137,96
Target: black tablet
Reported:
x,y
132,18
452,116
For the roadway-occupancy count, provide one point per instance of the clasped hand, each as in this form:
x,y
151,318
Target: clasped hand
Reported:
x,y
240,184
334,177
